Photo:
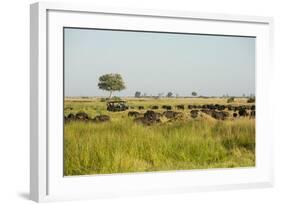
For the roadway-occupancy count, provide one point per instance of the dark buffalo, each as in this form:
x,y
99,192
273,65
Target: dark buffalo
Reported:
x,y
251,100
206,111
235,114
172,115
180,107
211,107
169,114
253,114
155,107
204,106
194,113
248,107
193,106
101,118
150,117
133,114
82,116
65,119
190,107
71,117
242,112
219,115
167,107
230,107
141,107
221,107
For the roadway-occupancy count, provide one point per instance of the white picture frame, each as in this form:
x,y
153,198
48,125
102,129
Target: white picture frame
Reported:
x,y
47,182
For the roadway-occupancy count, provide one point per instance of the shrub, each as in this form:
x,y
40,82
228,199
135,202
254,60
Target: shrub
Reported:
x,y
116,98
113,98
103,99
251,100
137,94
230,100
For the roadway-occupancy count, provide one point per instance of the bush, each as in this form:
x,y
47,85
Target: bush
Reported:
x,y
251,100
104,99
115,98
230,100
137,94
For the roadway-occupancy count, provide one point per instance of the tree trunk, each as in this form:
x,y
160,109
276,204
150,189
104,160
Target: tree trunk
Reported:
x,y
110,93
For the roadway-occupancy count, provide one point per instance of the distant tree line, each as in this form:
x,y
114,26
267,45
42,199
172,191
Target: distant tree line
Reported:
x,y
114,82
138,94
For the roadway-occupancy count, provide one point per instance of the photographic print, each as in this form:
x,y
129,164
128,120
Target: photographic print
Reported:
x,y
141,101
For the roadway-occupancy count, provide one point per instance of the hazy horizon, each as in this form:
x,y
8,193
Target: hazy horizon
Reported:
x,y
154,63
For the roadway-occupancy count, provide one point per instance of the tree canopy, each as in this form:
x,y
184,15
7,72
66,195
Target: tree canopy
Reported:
x,y
111,82
138,94
170,94
194,93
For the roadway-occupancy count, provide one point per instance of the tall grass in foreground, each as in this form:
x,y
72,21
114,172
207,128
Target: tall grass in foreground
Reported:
x,y
125,146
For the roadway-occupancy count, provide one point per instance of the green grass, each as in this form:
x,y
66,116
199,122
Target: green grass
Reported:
x,y
124,146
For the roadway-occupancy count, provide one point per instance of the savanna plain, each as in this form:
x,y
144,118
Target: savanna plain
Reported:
x,y
157,135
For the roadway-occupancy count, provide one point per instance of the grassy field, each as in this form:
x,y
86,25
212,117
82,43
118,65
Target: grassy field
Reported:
x,y
123,145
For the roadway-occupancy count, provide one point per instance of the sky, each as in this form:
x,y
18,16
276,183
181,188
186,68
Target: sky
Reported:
x,y
155,63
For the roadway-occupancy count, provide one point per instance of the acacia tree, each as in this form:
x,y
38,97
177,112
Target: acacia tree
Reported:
x,y
138,94
194,94
111,82
169,94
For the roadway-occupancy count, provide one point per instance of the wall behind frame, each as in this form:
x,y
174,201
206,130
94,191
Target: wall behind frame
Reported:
x,y
14,102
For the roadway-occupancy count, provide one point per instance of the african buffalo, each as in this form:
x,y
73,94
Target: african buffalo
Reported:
x,y
150,117
206,111
173,115
221,107
167,107
180,107
101,118
194,113
230,107
71,117
82,116
219,115
133,114
242,112
253,114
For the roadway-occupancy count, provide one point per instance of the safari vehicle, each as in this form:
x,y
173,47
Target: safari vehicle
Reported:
x,y
117,106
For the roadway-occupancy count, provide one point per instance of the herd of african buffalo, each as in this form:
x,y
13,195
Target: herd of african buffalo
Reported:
x,y
216,111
